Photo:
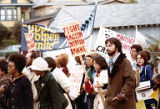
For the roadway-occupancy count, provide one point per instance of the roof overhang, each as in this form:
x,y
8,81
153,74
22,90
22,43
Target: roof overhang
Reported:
x,y
39,19
17,5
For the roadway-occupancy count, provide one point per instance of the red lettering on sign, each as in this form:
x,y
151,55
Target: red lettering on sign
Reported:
x,y
125,39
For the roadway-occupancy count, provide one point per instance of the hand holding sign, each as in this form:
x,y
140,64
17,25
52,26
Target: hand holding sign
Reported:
x,y
75,39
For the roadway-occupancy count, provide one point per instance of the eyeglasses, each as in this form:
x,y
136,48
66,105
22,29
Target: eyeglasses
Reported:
x,y
10,66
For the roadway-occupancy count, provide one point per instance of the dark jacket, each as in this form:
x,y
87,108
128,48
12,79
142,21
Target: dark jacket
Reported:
x,y
121,84
18,94
49,93
147,73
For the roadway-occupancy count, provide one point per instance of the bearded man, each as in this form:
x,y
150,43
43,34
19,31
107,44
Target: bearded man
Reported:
x,y
121,84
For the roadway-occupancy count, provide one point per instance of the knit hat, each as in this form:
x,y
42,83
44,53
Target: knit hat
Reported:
x,y
39,64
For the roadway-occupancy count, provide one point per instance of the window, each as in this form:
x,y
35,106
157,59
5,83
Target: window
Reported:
x,y
13,1
8,14
14,14
2,14
22,16
51,11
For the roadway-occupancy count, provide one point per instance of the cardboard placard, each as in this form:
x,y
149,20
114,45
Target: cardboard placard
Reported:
x,y
75,38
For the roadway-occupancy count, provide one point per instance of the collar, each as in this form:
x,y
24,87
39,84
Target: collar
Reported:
x,y
115,57
18,77
46,77
98,73
117,64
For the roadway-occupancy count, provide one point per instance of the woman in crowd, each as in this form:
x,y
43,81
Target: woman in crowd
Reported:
x,y
61,62
62,80
135,48
80,99
19,93
100,80
4,80
157,86
3,67
50,94
91,72
146,74
30,56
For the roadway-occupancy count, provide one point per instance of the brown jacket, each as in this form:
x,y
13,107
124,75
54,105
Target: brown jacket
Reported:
x,y
121,84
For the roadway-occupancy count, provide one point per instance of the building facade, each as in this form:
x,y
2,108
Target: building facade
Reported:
x,y
12,11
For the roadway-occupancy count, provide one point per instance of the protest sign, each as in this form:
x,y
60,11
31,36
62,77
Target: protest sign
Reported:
x,y
144,91
76,71
76,76
107,33
41,37
75,38
29,40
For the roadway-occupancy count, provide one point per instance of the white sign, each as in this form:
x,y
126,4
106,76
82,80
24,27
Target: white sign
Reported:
x,y
144,91
107,33
76,76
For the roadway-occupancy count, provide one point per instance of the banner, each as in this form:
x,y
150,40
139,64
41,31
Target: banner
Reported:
x,y
107,33
87,28
75,39
140,38
41,37
76,76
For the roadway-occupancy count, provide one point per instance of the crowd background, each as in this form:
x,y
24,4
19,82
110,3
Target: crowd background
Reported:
x,y
32,82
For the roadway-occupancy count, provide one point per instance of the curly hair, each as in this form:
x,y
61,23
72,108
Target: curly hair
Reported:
x,y
4,65
62,60
19,61
137,47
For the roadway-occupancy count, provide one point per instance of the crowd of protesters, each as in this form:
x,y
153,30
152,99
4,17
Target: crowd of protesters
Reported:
x,y
33,82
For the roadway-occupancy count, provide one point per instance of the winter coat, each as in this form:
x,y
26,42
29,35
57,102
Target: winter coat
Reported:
x,y
49,93
121,84
19,94
32,77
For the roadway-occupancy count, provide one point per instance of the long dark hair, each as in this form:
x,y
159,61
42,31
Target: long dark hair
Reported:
x,y
51,63
101,62
143,55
